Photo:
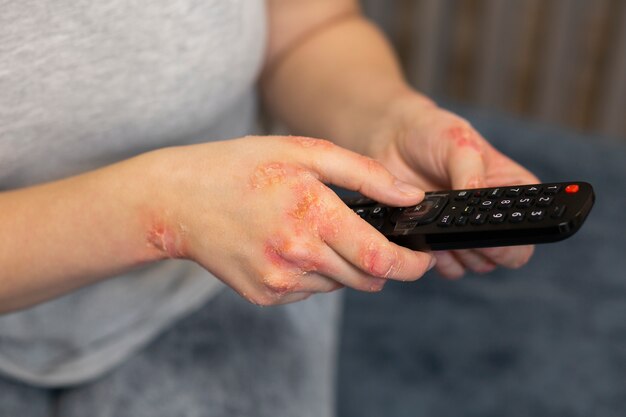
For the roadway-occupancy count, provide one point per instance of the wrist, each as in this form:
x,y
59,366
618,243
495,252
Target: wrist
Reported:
x,y
385,129
156,181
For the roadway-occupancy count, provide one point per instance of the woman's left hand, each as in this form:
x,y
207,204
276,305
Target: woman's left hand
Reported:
x,y
436,150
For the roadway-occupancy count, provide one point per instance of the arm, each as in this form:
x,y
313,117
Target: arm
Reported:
x,y
330,73
253,211
340,80
59,236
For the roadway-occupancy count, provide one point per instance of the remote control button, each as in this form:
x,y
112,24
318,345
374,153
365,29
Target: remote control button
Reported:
x,y
487,205
461,220
473,201
505,204
551,189
446,220
516,216
426,211
495,193
532,190
462,195
497,217
378,212
536,215
513,192
479,193
544,201
557,212
362,212
524,202
478,218
405,226
418,210
572,189
468,210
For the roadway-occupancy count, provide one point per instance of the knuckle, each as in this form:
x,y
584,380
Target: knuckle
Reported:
x,y
278,285
379,260
373,166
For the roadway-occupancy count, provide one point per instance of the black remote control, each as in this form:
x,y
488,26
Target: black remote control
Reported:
x,y
483,217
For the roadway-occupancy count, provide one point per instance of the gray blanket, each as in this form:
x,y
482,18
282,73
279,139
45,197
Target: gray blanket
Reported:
x,y
546,340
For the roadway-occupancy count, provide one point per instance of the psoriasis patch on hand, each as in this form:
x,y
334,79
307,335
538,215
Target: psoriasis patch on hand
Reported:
x,y
165,240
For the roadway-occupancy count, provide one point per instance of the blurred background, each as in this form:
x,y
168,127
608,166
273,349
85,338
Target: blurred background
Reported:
x,y
545,82
557,61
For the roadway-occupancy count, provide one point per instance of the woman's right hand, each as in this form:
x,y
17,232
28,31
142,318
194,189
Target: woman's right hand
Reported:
x,y
256,213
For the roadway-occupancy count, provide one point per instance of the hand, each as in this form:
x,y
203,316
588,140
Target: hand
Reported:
x,y
256,213
434,149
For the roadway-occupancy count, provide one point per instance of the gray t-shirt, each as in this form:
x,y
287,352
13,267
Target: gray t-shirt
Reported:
x,y
86,83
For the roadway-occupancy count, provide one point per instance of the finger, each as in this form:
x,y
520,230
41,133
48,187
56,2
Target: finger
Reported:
x,y
509,256
474,261
465,162
448,266
329,266
364,247
356,172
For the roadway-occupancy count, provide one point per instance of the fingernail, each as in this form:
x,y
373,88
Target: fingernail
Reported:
x,y
433,262
407,188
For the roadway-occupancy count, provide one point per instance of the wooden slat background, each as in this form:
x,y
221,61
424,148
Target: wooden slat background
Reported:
x,y
560,61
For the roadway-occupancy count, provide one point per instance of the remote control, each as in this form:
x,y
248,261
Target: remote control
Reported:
x,y
483,217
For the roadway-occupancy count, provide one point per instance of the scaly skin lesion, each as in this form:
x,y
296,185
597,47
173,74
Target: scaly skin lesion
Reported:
x,y
167,240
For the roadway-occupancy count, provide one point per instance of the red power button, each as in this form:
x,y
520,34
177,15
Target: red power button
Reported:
x,y
572,189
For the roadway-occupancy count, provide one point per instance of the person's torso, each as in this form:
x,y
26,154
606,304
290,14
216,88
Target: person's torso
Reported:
x,y
84,84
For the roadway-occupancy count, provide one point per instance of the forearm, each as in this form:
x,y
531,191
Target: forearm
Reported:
x,y
60,236
336,83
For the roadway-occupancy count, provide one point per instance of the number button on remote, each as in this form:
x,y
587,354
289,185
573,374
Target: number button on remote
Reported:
x,y
533,190
524,202
487,205
544,201
378,212
536,215
516,216
497,217
505,204
495,193
552,189
462,195
513,192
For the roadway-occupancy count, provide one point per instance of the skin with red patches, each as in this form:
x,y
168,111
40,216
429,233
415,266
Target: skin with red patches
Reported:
x,y
165,240
273,173
310,142
376,261
311,213
268,174
463,137
276,251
